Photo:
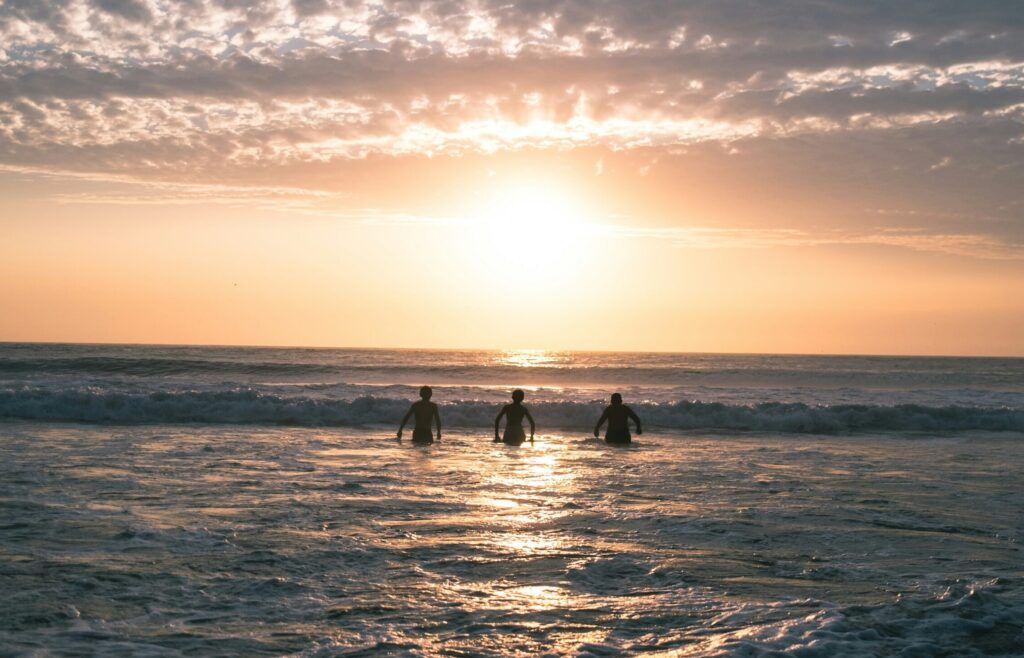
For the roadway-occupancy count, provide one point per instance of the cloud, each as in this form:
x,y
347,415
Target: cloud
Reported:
x,y
132,10
127,191
972,245
930,94
123,190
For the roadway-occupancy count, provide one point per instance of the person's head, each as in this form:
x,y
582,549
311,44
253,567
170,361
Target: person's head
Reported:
x,y
616,398
426,392
518,395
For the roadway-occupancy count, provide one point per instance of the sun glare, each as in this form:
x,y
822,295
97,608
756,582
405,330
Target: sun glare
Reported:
x,y
531,358
529,233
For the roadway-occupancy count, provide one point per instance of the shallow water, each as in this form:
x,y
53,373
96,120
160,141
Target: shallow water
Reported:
x,y
230,540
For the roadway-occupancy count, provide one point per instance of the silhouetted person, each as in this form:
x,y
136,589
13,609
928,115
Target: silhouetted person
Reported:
x,y
617,415
426,413
514,434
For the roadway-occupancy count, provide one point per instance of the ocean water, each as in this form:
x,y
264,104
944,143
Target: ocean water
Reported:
x,y
173,501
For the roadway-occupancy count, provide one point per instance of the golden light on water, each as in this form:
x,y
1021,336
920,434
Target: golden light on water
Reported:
x,y
529,543
536,476
530,358
533,597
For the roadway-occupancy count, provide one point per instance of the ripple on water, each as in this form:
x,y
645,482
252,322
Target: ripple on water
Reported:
x,y
197,540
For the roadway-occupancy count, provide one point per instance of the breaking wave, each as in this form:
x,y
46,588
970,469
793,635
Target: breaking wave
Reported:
x,y
136,366
252,407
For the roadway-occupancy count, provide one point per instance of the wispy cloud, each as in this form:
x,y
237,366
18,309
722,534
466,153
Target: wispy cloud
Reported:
x,y
127,190
960,244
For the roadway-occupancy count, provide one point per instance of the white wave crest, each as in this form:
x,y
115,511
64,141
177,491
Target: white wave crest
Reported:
x,y
247,406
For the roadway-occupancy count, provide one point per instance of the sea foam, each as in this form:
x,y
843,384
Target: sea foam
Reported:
x,y
252,407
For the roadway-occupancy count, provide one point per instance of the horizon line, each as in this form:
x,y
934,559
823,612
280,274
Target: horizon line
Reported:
x,y
506,349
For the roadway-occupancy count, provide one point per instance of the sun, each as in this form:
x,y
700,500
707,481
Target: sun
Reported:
x,y
530,233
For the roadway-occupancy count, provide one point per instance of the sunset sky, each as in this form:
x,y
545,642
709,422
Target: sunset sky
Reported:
x,y
842,177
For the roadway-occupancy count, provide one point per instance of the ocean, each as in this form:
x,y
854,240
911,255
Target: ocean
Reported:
x,y
173,501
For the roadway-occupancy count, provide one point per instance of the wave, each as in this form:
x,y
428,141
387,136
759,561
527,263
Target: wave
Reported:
x,y
295,365
157,366
251,407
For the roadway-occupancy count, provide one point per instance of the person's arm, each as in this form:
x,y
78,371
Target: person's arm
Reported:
x,y
636,419
437,419
497,422
533,426
600,422
405,420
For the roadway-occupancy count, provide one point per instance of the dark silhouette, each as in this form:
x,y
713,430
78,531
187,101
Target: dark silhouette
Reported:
x,y
514,434
617,415
426,413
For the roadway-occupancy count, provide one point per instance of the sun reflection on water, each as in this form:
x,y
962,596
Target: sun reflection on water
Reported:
x,y
526,496
531,544
537,468
532,358
533,597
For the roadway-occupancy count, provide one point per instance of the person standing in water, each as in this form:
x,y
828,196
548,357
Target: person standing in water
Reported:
x,y
514,434
617,415
426,413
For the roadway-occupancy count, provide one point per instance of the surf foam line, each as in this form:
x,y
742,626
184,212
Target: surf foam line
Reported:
x,y
158,366
251,407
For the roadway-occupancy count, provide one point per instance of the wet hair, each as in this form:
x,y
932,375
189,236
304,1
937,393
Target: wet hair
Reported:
x,y
616,398
426,392
518,395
